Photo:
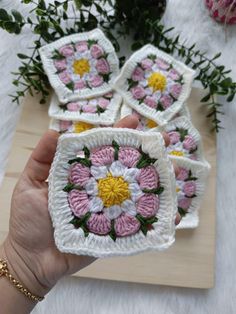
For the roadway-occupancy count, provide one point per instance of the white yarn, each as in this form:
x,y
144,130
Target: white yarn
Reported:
x,y
71,240
121,84
64,94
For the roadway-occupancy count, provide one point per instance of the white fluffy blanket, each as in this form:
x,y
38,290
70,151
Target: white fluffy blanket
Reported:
x,y
72,295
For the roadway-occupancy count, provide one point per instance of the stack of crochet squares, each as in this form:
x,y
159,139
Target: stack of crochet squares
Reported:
x,y
113,191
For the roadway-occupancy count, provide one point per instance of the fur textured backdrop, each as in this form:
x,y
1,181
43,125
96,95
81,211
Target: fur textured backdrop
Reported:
x,y
71,295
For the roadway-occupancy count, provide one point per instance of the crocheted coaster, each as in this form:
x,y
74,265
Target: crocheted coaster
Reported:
x,y
154,84
112,192
146,124
190,187
185,140
80,65
102,109
223,11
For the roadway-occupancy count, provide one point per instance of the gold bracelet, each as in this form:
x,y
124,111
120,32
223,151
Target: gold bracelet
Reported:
x,y
4,271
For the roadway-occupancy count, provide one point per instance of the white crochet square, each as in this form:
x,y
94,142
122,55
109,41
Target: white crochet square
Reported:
x,y
146,124
160,231
96,110
80,65
155,84
190,187
185,140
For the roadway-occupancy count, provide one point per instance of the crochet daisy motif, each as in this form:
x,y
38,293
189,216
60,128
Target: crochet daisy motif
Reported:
x,y
80,65
99,110
112,193
154,84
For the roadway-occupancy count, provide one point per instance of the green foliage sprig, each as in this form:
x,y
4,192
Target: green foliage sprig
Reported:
x,y
51,21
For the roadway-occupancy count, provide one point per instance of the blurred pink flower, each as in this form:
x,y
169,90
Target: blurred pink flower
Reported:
x,y
137,74
96,51
138,92
103,66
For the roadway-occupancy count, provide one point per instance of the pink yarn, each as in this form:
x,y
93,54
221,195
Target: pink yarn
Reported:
x,y
80,84
147,64
64,77
150,102
79,203
60,64
126,225
184,203
189,143
79,174
67,50
81,46
166,101
148,178
175,90
174,137
103,102
98,223
96,81
89,109
189,188
148,205
103,66
73,106
102,156
96,51
183,174
223,11
163,65
138,92
129,156
138,74
174,75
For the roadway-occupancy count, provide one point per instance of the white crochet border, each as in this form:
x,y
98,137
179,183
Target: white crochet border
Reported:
x,y
71,240
183,122
127,110
201,171
64,94
121,84
106,118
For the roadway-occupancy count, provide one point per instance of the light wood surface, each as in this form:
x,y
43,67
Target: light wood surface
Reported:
x,y
188,263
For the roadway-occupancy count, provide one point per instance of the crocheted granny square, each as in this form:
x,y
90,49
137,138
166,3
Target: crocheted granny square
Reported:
x,y
185,140
112,192
80,65
102,109
190,188
146,124
154,84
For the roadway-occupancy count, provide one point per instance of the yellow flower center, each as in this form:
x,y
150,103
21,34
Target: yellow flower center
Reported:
x,y
176,153
82,126
151,124
81,66
113,190
157,81
177,189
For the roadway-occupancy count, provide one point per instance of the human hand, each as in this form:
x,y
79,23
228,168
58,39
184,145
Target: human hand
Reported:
x,y
30,247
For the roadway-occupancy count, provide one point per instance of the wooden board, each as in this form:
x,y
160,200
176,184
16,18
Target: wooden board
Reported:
x,y
188,263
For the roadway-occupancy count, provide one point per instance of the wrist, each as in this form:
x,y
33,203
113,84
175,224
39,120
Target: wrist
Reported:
x,y
22,270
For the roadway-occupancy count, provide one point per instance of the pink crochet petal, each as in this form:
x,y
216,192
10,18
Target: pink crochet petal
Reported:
x,y
148,205
129,156
148,178
183,174
126,225
184,203
102,156
190,188
79,174
79,203
98,223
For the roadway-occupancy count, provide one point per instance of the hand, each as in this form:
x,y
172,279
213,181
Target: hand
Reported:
x,y
30,247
